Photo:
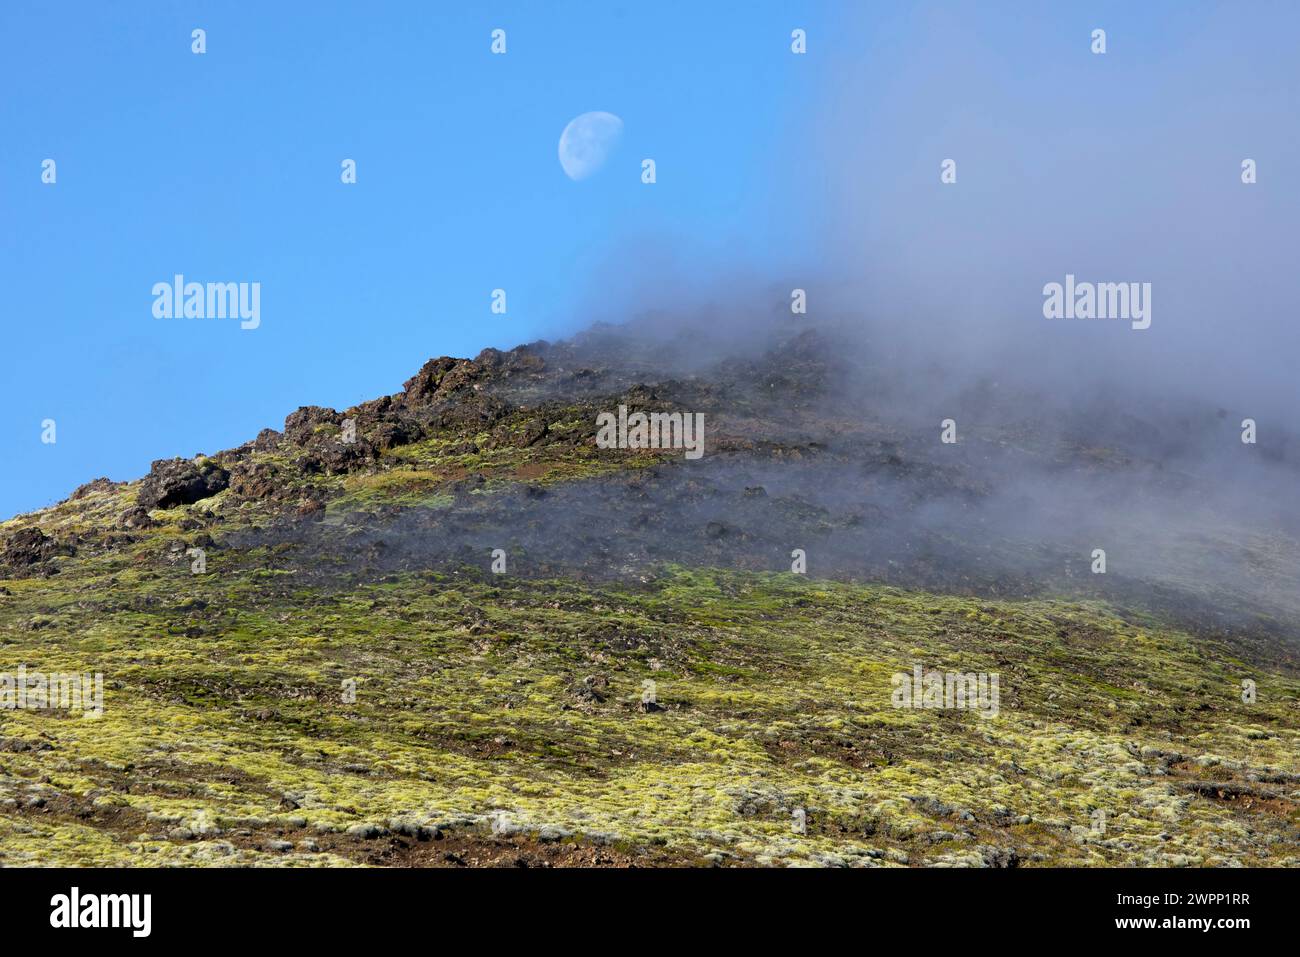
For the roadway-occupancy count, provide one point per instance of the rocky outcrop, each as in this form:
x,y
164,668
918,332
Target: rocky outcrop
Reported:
x,y
30,548
173,482
98,485
256,480
302,426
436,378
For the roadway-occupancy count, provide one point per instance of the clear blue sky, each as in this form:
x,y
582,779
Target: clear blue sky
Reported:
x,y
225,167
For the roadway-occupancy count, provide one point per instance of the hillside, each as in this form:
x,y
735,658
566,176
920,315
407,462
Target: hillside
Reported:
x,y
347,679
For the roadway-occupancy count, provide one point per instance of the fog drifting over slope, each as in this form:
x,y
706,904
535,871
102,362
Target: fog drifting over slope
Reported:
x,y
1122,167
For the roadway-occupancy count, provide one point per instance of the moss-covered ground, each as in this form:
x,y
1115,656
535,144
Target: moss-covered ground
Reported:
x,y
497,717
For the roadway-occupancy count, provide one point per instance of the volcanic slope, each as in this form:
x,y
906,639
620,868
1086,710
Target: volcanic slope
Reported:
x,y
309,658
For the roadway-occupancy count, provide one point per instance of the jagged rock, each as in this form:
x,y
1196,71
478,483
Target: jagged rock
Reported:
x,y
335,457
173,482
390,434
101,484
472,411
319,430
30,547
255,480
301,427
518,361
384,423
267,440
374,409
421,388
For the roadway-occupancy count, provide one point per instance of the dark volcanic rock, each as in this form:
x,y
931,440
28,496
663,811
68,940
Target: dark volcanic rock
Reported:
x,y
300,427
531,434
342,442
30,547
390,434
518,361
422,387
267,440
98,485
173,482
471,412
337,457
255,480
137,516
518,436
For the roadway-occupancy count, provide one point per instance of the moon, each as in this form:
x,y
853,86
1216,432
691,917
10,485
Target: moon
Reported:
x,y
587,142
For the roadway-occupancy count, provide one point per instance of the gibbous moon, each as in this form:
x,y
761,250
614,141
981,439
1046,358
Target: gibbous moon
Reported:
x,y
587,142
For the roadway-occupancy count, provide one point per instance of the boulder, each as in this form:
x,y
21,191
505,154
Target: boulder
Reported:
x,y
422,387
137,516
173,482
300,427
31,546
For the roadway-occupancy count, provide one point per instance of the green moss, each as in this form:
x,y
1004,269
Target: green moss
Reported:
x,y
774,692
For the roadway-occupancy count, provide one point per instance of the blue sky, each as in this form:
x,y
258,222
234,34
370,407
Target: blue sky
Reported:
x,y
225,167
